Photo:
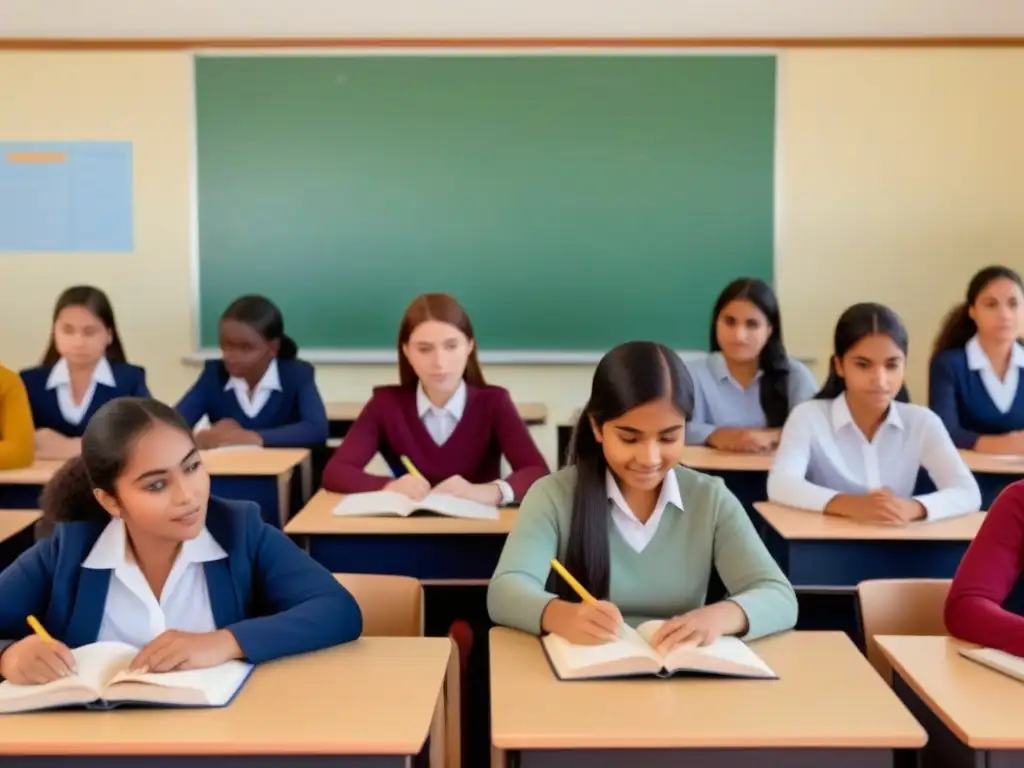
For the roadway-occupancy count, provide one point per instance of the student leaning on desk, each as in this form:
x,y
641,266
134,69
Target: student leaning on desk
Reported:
x,y
668,525
143,555
857,449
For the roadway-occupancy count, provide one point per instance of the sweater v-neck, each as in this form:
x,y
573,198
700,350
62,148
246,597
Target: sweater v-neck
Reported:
x,y
422,435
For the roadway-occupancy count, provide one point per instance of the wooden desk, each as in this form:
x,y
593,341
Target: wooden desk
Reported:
x,y
796,721
16,533
369,703
818,550
993,473
972,713
262,475
433,548
342,415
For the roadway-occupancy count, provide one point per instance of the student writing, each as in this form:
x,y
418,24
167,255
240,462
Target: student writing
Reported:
x,y
985,604
83,368
857,449
142,554
977,370
747,386
640,533
259,393
17,435
443,416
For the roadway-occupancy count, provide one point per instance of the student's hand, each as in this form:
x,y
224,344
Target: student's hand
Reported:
x,y
744,440
241,437
582,623
174,650
701,626
880,506
207,439
53,445
904,510
413,486
485,493
34,661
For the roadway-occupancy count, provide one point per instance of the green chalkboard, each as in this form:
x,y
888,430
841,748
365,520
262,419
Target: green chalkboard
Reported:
x,y
569,202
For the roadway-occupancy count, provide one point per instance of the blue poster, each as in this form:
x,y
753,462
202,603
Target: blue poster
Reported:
x,y
66,196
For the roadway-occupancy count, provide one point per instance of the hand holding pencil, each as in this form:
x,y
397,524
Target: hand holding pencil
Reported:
x,y
590,622
36,659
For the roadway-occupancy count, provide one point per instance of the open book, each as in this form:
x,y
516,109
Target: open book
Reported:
x,y
389,503
103,682
632,655
1000,661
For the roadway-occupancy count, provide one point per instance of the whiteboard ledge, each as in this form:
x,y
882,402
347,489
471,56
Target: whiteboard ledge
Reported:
x,y
493,357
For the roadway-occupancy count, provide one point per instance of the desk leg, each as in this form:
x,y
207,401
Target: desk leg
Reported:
x,y
498,758
706,758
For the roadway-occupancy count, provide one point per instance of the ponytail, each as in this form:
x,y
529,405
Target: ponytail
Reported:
x,y
956,330
288,349
774,388
68,497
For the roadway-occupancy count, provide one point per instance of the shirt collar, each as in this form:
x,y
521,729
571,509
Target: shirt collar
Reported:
x,y
271,380
841,416
455,406
720,370
670,493
60,374
111,549
977,360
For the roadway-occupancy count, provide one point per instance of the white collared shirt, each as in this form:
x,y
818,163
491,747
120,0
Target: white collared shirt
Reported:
x,y
822,453
132,614
441,421
60,380
638,534
1002,391
268,384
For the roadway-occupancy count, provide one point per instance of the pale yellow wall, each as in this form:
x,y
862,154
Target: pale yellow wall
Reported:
x,y
899,176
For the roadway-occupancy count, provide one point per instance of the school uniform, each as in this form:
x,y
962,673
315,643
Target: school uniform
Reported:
x,y
721,401
49,393
17,433
971,400
822,453
467,436
285,409
659,568
240,574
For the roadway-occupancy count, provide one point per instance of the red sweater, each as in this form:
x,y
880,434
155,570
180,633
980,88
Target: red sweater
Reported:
x,y
991,568
490,428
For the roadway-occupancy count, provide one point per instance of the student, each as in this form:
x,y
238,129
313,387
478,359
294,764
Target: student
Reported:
x,y
452,426
747,386
143,555
639,532
977,383
84,367
985,604
857,449
259,394
17,435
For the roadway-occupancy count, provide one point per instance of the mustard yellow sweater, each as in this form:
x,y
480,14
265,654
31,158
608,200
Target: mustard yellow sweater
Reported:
x,y
17,435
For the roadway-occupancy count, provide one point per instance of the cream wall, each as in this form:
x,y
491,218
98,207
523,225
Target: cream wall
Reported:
x,y
898,178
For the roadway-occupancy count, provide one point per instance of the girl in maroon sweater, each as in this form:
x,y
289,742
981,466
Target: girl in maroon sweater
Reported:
x,y
443,416
986,601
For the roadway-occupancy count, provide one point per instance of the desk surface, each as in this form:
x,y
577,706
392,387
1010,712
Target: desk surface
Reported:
x,y
702,458
241,461
316,519
532,709
800,524
14,521
981,706
373,696
531,413
993,464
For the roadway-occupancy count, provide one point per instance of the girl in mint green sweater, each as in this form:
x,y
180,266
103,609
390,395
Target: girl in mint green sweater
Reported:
x,y
639,532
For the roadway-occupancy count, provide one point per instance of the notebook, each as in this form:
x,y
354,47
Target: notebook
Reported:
x,y
632,656
1000,661
103,682
390,503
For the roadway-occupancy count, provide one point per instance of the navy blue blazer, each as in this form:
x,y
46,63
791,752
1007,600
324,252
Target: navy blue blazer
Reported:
x,y
958,395
274,598
294,417
130,381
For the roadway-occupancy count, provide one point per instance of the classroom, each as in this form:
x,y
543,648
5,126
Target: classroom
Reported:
x,y
879,156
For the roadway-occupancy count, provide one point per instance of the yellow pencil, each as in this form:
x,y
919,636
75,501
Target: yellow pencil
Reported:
x,y
410,467
39,629
578,588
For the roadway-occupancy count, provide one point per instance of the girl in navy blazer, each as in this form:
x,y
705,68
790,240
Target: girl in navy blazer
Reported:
x,y
84,367
142,554
259,393
977,371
